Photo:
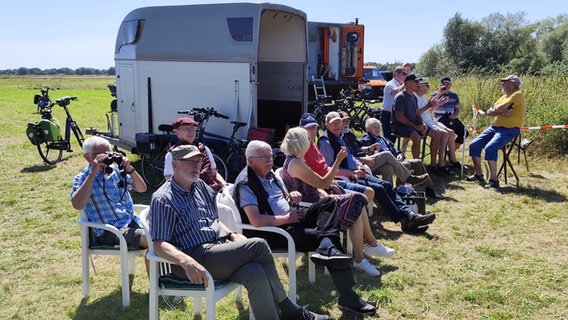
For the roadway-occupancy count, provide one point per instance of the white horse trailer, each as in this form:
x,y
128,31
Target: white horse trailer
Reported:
x,y
247,60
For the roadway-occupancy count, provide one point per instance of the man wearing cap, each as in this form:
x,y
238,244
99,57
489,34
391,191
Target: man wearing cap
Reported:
x,y
382,162
405,120
508,114
394,86
448,113
186,131
330,143
187,231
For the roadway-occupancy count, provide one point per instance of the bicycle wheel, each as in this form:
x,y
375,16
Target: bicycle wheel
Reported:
x,y
78,134
153,168
48,154
236,161
221,166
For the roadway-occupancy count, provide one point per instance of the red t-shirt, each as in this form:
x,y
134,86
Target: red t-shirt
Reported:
x,y
316,161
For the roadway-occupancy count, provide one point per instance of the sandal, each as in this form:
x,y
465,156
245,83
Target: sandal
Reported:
x,y
475,177
492,184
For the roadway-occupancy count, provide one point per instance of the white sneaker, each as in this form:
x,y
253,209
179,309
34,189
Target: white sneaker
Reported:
x,y
365,266
379,251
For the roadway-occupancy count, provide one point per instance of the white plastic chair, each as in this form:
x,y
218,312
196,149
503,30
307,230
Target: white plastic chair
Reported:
x,y
224,198
127,256
159,286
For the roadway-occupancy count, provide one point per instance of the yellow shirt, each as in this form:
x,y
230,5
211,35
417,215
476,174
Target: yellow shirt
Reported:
x,y
515,120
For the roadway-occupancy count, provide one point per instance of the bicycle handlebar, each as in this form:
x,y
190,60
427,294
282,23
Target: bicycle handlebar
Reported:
x,y
208,111
63,101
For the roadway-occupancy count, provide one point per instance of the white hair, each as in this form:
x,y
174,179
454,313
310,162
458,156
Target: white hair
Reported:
x,y
255,145
90,143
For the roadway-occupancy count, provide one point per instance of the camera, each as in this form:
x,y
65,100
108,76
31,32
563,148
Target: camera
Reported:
x,y
111,157
443,88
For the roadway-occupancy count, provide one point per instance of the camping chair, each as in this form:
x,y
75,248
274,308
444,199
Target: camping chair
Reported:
x,y
164,283
224,198
127,255
522,145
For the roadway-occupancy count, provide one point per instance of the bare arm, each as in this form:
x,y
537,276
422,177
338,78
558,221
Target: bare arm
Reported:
x,y
299,169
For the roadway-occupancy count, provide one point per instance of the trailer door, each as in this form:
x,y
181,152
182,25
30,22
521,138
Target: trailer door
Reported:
x,y
352,52
126,103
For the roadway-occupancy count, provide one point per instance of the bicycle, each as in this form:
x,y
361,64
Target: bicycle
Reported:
x,y
42,101
46,134
358,113
321,108
153,157
229,152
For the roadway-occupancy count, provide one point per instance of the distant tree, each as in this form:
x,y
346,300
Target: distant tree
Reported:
x,y
435,62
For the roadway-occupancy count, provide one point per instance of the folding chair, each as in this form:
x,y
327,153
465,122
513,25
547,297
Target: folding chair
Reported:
x,y
516,142
163,283
127,255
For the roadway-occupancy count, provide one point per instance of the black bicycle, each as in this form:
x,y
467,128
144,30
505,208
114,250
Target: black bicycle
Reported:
x,y
358,113
42,100
153,157
46,134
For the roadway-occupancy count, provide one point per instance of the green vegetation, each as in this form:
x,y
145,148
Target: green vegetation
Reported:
x,y
489,255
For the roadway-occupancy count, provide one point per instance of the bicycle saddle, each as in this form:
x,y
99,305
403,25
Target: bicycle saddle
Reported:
x,y
238,123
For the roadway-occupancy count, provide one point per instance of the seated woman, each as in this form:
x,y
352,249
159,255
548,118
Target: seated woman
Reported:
x,y
298,176
437,131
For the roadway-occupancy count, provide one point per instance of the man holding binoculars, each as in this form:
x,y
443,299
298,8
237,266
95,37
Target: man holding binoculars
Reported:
x,y
101,189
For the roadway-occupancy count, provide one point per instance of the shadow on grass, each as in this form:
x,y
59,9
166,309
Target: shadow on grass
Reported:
x,y
38,168
110,307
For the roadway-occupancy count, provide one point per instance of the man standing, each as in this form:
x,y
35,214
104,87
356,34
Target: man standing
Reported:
x,y
508,114
448,114
394,86
187,231
101,189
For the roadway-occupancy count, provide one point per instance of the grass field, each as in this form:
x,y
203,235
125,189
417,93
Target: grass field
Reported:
x,y
489,254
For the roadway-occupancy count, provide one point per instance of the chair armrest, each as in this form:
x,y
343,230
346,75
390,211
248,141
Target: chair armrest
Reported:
x,y
280,231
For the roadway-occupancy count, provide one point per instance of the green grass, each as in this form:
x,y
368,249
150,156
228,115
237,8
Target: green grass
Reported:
x,y
489,255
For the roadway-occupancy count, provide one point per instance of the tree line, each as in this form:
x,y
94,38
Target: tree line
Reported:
x,y
23,71
498,44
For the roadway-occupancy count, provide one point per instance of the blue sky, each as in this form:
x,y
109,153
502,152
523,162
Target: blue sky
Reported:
x,y
56,33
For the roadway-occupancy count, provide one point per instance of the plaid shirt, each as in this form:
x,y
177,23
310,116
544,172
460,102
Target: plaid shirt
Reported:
x,y
105,204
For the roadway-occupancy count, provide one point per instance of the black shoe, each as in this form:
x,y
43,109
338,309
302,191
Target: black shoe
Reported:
x,y
455,165
476,177
444,170
304,314
435,170
418,220
430,193
415,230
331,257
492,184
417,180
362,308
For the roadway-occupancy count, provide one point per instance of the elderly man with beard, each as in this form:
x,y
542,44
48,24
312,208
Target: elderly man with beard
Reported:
x,y
187,231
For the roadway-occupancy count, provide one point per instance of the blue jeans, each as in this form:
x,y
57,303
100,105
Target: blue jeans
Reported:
x,y
492,140
385,196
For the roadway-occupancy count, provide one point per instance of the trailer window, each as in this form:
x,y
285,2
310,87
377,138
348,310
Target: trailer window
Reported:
x,y
240,28
130,31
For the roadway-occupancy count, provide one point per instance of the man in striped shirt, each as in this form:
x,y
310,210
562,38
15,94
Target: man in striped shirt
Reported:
x,y
186,230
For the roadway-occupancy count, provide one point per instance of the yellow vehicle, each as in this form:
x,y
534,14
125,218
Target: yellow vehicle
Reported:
x,y
373,84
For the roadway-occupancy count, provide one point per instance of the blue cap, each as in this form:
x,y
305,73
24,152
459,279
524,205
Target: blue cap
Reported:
x,y
308,120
